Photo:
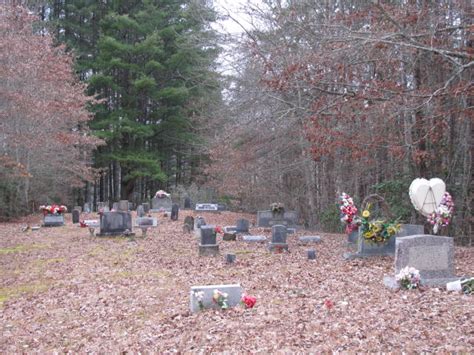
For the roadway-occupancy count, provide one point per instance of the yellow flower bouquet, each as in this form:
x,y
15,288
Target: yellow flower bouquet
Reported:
x,y
378,231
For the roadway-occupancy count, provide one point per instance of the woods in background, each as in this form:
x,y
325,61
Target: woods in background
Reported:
x,y
351,96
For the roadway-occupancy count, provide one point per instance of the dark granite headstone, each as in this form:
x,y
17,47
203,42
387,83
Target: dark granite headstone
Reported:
x,y
115,223
278,238
140,211
174,212
230,258
311,254
146,207
242,226
187,203
208,235
76,214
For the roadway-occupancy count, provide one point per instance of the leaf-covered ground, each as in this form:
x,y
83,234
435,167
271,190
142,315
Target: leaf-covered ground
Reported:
x,y
63,290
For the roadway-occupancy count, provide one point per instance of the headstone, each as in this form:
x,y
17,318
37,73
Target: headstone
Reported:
x,y
311,254
161,204
53,220
432,256
291,230
123,206
206,207
221,207
242,226
230,229
208,244
115,223
230,258
188,224
229,236
130,206
198,222
386,249
140,211
187,203
92,224
87,208
278,242
76,214
115,206
310,239
174,212
254,238
146,207
79,208
353,236
102,207
268,219
144,223
234,293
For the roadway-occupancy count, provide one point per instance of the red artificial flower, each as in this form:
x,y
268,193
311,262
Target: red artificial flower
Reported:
x,y
219,230
248,301
329,304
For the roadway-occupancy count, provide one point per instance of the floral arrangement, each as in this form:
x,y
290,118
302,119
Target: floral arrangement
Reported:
x,y
378,231
218,230
162,194
53,209
199,295
277,207
441,217
248,301
348,212
220,298
408,278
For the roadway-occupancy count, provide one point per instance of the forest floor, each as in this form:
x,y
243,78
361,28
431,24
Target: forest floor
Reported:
x,y
62,290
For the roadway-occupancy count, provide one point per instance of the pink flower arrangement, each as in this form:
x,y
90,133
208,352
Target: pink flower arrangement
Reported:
x,y
53,209
348,212
443,214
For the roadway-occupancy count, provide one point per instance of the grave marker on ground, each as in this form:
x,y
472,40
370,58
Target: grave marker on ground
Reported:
x,y
115,223
53,220
161,204
278,242
123,206
187,203
208,245
206,207
234,295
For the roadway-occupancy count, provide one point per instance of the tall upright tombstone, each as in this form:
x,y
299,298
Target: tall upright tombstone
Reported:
x,y
140,211
87,208
174,212
278,242
115,223
432,256
76,214
123,206
187,203
146,207
208,245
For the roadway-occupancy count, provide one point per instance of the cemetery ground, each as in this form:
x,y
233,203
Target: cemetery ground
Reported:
x,y
64,290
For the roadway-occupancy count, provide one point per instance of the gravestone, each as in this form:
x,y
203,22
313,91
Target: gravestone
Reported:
x,y
140,211
311,254
76,214
130,206
291,230
144,223
206,207
234,293
92,224
198,222
310,239
432,256
229,236
254,238
230,229
53,220
115,206
123,206
79,208
242,226
87,208
188,224
386,249
102,207
174,212
268,219
278,242
221,207
146,207
161,204
115,223
208,245
230,258
187,203
353,236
